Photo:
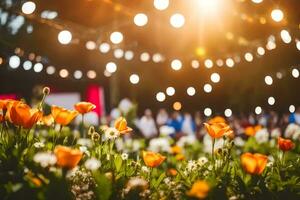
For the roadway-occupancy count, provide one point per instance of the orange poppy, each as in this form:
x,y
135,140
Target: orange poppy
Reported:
x,y
63,116
199,189
121,125
47,120
180,156
217,130
67,157
229,134
20,114
254,163
152,159
252,130
84,107
217,119
176,149
285,144
6,105
172,172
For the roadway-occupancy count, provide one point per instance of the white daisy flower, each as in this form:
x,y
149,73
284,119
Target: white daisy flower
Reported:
x,y
145,169
92,164
111,133
45,159
202,160
39,145
124,156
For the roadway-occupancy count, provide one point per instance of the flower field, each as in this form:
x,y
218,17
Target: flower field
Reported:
x,y
45,157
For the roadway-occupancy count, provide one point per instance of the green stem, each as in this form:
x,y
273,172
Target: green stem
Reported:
x,y
213,153
83,132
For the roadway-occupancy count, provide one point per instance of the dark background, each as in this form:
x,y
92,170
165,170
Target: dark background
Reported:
x,y
241,88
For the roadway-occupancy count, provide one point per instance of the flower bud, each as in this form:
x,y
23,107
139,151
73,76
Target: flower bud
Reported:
x,y
46,90
95,137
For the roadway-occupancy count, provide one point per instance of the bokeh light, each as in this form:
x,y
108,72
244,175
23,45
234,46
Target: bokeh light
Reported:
x,y
160,96
177,105
118,53
285,36
28,7
104,47
177,20
261,51
128,55
50,70
91,74
228,112
140,19
292,108
134,79
65,37
14,61
195,64
257,1
207,112
208,63
295,73
176,64
27,65
207,88
277,15
249,57
111,67
271,101
63,73
77,74
170,91
38,67
116,37
191,91
161,4
230,62
258,110
215,77
145,57
90,45
268,80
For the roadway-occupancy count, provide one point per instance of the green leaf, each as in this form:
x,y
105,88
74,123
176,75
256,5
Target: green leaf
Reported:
x,y
104,186
159,180
118,162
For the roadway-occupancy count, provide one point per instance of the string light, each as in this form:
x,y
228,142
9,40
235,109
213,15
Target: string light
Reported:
x,y
50,70
292,108
27,65
128,55
91,74
134,79
261,51
38,67
77,74
229,62
161,4
268,80
65,37
90,45
145,57
140,19
104,47
170,91
195,64
207,112
177,20
111,67
116,37
271,101
64,73
215,77
295,73
208,63
14,62
176,64
249,57
160,96
277,15
157,58
191,91
220,62
285,36
28,7
177,105
118,53
207,88
228,112
258,110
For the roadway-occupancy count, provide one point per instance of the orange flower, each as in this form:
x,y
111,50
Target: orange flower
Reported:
x,y
20,114
254,163
217,130
229,134
63,116
67,157
199,190
179,156
1,118
217,119
121,125
47,120
285,144
176,149
252,130
172,172
6,106
84,107
152,159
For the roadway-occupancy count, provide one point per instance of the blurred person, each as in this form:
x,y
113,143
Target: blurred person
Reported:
x,y
198,124
162,117
295,117
188,124
147,125
176,122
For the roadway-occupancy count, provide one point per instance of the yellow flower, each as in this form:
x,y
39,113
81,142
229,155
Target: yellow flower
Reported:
x,y
20,114
217,130
254,163
84,107
180,156
67,157
176,149
152,159
121,125
63,116
199,189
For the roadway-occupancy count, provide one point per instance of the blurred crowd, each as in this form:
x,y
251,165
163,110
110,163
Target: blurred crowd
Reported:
x,y
177,124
